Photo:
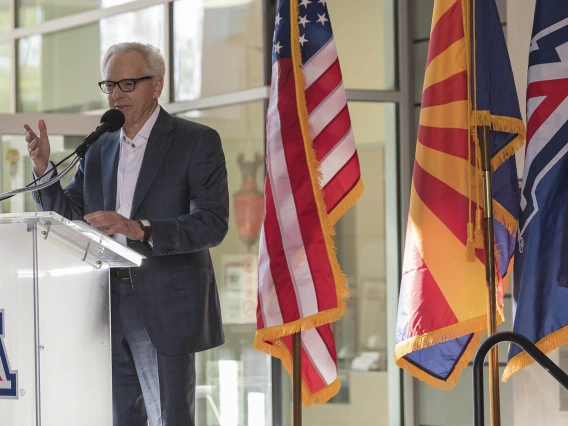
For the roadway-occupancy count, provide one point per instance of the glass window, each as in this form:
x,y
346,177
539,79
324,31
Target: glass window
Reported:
x,y
420,54
5,23
53,80
38,11
234,380
365,38
361,241
5,76
211,36
421,11
361,335
17,168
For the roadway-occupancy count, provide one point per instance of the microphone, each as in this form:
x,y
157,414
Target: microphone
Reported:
x,y
111,121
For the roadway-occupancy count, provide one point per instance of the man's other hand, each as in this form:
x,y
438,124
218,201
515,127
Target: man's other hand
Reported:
x,y
115,224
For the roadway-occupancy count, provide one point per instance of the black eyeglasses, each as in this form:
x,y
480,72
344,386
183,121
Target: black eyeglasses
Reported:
x,y
126,85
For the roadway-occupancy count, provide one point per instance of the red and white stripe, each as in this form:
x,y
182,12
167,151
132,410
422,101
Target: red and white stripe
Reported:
x,y
330,125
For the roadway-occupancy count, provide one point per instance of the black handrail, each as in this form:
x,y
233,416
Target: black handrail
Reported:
x,y
525,344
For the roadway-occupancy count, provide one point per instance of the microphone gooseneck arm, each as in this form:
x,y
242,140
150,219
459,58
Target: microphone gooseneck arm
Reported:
x,y
92,138
53,180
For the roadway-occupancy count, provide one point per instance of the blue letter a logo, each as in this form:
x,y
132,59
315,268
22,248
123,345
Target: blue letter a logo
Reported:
x,y
8,378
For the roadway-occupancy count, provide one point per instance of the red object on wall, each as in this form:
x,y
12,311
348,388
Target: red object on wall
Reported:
x,y
249,202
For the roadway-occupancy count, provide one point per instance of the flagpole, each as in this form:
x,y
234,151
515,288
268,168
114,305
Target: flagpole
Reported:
x,y
495,404
297,377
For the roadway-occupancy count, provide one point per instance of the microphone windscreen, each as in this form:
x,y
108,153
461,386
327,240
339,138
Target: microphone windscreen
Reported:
x,y
115,118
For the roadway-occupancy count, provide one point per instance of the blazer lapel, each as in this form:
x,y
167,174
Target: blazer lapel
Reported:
x,y
109,161
158,144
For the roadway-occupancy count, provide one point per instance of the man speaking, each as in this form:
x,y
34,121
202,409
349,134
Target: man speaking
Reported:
x,y
159,185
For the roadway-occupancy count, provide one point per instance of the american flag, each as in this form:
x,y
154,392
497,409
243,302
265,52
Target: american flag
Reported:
x,y
310,152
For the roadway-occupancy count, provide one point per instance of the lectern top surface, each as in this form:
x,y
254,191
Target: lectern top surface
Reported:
x,y
79,238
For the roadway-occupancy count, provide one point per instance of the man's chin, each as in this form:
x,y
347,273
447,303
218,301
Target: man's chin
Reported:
x,y
127,117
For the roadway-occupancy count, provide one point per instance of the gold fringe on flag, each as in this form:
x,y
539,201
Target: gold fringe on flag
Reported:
x,y
498,122
548,344
440,336
345,204
507,152
502,215
501,124
280,350
448,384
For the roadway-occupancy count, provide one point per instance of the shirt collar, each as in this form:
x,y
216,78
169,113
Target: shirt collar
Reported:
x,y
146,129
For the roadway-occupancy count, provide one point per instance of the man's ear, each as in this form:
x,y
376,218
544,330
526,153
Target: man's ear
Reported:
x,y
158,87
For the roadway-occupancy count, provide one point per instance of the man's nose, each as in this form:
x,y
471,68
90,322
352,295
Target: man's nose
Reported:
x,y
117,93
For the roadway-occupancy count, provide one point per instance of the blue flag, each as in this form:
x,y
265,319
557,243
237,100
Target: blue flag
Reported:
x,y
541,264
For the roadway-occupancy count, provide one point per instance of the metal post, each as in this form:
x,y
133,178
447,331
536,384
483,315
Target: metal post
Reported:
x,y
297,378
276,387
495,403
37,344
268,18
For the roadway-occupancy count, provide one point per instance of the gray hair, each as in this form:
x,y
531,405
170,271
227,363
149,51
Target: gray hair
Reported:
x,y
154,59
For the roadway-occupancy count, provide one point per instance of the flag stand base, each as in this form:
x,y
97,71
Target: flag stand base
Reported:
x,y
526,345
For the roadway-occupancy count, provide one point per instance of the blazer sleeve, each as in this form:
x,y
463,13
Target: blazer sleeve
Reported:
x,y
207,222
67,202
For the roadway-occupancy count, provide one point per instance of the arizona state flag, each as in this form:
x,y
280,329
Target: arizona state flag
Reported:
x,y
468,82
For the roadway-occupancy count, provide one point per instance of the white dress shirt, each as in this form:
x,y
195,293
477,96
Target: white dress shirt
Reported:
x,y
129,163
131,155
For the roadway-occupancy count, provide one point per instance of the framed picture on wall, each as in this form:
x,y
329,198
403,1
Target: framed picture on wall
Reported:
x,y
239,298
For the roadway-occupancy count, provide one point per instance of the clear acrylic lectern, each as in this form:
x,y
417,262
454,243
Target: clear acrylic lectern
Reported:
x,y
55,347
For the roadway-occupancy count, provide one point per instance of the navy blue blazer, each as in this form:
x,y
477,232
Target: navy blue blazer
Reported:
x,y
182,189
